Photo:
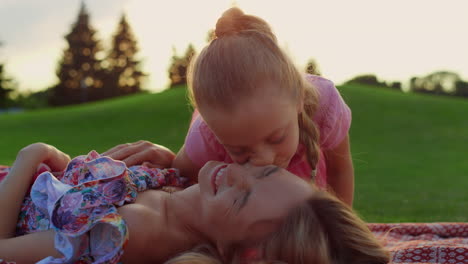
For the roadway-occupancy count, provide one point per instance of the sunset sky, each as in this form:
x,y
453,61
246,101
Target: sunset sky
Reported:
x,y
394,39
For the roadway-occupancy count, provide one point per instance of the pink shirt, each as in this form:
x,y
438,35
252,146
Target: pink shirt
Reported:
x,y
333,118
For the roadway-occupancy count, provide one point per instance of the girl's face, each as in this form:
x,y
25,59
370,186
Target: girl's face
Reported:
x,y
261,130
244,203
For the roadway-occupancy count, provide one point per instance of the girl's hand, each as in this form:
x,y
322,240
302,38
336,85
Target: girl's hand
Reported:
x,y
142,153
37,153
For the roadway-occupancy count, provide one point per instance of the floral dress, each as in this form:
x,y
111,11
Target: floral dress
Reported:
x,y
80,204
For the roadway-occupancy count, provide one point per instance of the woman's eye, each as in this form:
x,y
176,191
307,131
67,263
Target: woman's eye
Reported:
x,y
240,202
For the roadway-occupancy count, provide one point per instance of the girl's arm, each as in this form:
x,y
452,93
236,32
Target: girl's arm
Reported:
x,y
340,171
12,192
156,156
186,166
142,153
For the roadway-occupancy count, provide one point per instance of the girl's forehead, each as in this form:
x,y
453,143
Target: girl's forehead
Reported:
x,y
245,129
254,109
252,119
263,94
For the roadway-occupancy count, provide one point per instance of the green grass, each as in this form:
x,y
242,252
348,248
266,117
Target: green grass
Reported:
x,y
409,151
163,118
410,154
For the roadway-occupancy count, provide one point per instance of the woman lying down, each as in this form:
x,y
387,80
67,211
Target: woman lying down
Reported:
x,y
99,211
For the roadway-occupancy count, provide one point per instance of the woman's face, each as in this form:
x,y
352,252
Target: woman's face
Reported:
x,y
244,203
260,130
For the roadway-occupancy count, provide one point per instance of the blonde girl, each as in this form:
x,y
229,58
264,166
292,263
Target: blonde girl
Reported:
x,y
254,106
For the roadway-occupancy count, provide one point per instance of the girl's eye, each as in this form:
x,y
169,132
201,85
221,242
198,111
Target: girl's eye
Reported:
x,y
277,140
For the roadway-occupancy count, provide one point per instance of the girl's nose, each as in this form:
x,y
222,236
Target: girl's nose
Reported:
x,y
262,157
236,176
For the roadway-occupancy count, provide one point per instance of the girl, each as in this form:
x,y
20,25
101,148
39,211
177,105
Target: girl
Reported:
x,y
253,106
240,213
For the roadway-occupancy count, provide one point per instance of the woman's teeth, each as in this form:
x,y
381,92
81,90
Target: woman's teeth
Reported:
x,y
218,177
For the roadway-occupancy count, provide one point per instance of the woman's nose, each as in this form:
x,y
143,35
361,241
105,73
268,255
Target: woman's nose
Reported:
x,y
236,176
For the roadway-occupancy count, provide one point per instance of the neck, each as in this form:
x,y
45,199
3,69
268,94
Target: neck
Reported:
x,y
183,213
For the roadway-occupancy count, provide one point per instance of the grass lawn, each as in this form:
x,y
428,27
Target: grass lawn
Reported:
x,y
410,155
409,151
163,118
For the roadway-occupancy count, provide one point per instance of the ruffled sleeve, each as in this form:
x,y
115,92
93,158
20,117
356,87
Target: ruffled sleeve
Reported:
x,y
86,212
81,205
333,116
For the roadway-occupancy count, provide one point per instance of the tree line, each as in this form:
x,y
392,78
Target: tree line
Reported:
x,y
88,73
436,83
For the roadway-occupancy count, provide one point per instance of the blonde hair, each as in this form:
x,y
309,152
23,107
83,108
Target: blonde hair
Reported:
x,y
321,230
244,55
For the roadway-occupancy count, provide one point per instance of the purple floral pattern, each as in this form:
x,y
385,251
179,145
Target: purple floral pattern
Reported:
x,y
85,197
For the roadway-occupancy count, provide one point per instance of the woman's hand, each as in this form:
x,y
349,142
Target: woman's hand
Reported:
x,y
37,153
142,153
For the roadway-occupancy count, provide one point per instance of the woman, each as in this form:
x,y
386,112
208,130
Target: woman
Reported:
x,y
234,209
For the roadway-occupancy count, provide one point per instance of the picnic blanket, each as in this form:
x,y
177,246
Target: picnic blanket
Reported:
x,y
424,242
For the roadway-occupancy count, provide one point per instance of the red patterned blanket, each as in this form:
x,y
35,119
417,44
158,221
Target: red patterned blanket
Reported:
x,y
424,242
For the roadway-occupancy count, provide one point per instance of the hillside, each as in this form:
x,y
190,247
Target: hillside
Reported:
x,y
162,118
409,151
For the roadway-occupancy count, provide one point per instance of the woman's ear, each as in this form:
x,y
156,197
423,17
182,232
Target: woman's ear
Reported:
x,y
220,247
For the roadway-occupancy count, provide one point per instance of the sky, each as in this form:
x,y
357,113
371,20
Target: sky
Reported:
x,y
394,39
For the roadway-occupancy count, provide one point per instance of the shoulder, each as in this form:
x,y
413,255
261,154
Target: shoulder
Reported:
x,y
201,144
199,130
325,88
333,116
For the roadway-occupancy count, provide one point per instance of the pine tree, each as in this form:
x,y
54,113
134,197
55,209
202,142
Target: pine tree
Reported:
x,y
179,67
79,69
123,73
6,88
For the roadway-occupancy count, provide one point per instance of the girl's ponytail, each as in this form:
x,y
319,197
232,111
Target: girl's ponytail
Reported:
x,y
308,130
234,21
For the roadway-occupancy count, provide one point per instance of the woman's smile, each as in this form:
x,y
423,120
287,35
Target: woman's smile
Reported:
x,y
216,177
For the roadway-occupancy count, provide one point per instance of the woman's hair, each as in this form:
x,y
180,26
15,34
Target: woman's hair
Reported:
x,y
321,230
244,56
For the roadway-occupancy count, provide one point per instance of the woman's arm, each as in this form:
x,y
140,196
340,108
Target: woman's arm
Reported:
x,y
12,192
29,248
340,171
